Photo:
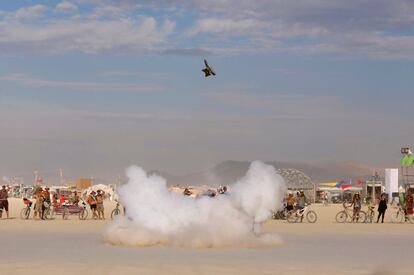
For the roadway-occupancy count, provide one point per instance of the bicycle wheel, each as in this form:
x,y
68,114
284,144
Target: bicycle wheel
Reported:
x,y
25,213
370,217
83,214
311,216
397,217
48,214
341,217
291,218
115,212
361,217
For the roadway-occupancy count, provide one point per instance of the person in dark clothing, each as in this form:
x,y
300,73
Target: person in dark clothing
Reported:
x,y
4,203
382,207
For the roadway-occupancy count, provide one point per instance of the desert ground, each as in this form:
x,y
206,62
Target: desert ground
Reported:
x,y
74,246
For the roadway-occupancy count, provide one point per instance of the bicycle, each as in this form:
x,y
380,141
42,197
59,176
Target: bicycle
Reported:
x,y
48,212
370,214
25,212
69,208
299,214
400,216
279,215
348,214
84,213
116,211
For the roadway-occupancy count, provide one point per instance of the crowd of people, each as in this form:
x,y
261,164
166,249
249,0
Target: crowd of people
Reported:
x,y
293,202
43,200
406,203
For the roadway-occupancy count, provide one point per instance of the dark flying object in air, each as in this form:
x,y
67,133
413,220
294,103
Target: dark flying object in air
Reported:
x,y
208,70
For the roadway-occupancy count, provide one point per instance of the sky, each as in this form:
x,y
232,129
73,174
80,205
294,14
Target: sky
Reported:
x,y
93,86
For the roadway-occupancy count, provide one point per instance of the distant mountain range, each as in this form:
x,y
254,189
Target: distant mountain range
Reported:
x,y
230,171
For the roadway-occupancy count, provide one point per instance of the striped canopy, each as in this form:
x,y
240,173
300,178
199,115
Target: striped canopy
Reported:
x,y
330,184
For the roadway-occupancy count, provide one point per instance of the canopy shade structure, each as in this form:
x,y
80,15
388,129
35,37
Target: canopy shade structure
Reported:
x,y
351,188
330,184
336,184
328,188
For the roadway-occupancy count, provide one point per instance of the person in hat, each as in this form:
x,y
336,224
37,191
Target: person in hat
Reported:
x,y
4,203
92,203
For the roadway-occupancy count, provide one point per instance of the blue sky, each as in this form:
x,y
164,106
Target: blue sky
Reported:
x,y
93,86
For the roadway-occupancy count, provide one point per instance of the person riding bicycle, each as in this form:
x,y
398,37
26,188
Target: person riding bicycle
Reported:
x,y
301,202
356,202
290,202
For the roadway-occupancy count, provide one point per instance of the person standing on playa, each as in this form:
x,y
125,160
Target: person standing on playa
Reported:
x,y
356,202
4,203
325,198
92,203
39,203
409,204
382,207
99,204
46,201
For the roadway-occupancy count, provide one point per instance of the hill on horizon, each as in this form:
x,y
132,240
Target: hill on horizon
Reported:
x,y
230,171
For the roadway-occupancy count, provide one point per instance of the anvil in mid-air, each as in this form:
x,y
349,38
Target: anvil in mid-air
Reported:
x,y
208,70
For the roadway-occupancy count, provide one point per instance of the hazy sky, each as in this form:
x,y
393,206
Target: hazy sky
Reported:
x,y
93,86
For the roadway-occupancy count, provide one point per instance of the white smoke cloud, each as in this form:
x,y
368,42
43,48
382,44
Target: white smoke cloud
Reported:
x,y
156,216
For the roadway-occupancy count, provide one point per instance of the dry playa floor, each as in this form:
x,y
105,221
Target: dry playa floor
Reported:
x,y
77,247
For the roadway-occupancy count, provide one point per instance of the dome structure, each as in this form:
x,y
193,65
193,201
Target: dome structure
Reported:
x,y
296,180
